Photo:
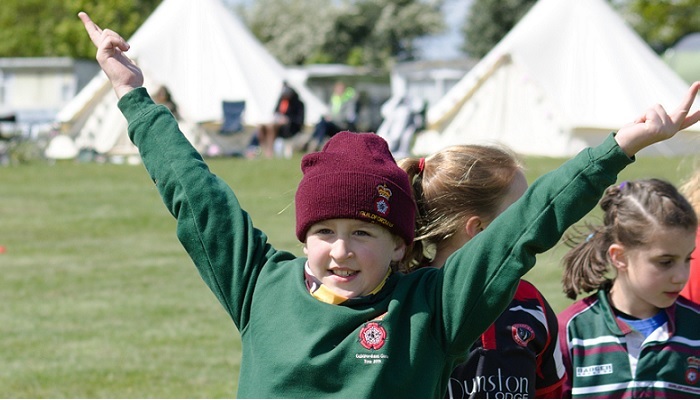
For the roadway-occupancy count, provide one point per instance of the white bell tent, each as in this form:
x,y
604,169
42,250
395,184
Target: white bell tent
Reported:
x,y
569,73
204,55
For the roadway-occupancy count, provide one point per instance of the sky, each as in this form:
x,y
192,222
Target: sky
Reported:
x,y
447,45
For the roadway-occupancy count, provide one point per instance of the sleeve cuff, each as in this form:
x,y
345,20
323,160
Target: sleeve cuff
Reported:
x,y
135,103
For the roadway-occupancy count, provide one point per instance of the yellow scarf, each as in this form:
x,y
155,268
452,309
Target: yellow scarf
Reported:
x,y
322,293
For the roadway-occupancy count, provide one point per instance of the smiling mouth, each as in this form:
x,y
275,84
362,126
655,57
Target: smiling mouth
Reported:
x,y
344,273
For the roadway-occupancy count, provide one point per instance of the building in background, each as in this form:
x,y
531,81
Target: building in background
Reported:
x,y
34,89
416,86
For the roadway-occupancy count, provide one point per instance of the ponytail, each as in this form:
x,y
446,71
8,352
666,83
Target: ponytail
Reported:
x,y
416,255
586,265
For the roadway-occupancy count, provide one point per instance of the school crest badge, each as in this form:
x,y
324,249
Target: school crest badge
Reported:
x,y
522,334
372,336
691,373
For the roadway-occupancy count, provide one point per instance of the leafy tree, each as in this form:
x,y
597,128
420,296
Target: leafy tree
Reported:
x,y
41,28
379,32
661,23
294,31
355,32
488,21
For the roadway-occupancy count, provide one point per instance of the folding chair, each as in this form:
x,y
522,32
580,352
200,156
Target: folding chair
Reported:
x,y
233,117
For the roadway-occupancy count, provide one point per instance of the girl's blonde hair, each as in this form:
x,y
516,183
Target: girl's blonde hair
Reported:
x,y
633,211
452,185
691,190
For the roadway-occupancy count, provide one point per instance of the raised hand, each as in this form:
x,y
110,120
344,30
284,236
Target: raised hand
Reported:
x,y
120,69
656,125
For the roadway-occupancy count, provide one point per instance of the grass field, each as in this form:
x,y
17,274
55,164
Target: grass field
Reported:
x,y
100,300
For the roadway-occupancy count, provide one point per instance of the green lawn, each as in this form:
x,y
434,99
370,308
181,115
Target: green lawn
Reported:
x,y
100,300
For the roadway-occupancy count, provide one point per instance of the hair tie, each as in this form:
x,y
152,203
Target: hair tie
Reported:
x,y
421,165
622,185
589,237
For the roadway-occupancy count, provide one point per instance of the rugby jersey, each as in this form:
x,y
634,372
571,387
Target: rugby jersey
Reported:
x,y
595,348
517,357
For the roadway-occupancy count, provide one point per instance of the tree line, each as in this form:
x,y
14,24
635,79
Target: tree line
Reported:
x,y
374,33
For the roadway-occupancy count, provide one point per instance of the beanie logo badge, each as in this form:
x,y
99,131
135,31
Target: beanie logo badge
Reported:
x,y
381,203
382,207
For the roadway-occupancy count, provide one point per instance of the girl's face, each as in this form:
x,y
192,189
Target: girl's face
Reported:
x,y
651,277
351,257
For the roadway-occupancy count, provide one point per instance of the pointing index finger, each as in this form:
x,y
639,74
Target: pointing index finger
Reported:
x,y
92,29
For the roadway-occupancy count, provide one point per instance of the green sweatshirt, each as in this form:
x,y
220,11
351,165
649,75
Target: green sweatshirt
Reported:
x,y
402,342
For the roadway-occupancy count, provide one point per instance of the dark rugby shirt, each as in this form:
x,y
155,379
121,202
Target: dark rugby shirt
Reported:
x,y
517,357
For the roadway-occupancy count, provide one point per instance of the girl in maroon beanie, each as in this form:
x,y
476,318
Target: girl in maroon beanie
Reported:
x,y
342,323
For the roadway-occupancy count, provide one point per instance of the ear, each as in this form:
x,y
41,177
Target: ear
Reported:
x,y
399,250
473,226
306,251
618,258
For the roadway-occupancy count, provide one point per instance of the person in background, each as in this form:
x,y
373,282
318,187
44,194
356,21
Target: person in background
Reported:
x,y
459,191
287,121
691,189
635,337
342,117
341,321
162,96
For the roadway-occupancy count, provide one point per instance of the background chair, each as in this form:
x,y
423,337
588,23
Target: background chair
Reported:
x,y
233,117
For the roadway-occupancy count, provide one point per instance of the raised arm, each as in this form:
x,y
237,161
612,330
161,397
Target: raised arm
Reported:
x,y
120,69
655,125
498,257
216,232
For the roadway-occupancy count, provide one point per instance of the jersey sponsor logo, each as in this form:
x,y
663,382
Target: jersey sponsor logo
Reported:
x,y
372,336
495,386
593,370
522,334
691,372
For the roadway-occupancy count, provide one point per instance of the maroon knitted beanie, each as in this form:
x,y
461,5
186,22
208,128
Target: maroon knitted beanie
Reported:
x,y
355,176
